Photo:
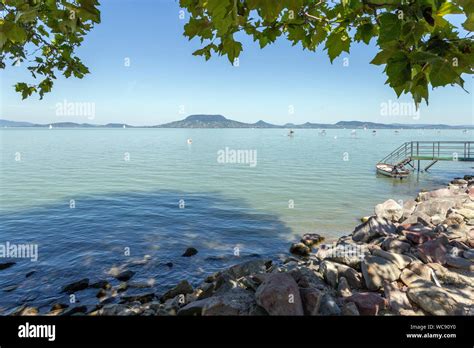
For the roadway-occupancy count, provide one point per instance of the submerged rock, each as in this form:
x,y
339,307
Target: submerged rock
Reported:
x,y
190,252
6,265
76,286
125,275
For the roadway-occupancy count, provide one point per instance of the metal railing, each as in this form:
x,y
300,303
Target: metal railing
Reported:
x,y
431,150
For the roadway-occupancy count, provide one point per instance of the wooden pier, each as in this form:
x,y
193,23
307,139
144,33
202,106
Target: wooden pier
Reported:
x,y
412,153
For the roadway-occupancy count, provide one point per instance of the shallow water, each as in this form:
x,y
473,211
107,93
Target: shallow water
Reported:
x,y
86,196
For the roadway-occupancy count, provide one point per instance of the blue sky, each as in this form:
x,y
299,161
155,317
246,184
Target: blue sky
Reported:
x,y
165,82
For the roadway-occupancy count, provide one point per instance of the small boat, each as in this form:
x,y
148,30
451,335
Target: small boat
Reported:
x,y
374,132
322,132
291,133
50,126
189,141
392,171
124,126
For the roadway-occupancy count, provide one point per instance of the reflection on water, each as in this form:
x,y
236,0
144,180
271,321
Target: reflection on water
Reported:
x,y
86,241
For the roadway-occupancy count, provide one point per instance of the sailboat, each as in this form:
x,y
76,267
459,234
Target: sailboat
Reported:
x,y
50,126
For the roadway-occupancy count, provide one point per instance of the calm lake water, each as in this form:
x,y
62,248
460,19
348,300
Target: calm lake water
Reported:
x,y
86,196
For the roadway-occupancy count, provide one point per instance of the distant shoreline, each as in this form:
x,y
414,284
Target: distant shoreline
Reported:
x,y
220,122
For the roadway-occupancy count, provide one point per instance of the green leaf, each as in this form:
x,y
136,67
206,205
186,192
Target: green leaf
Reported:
x,y
448,8
16,34
469,23
382,57
398,70
231,48
365,32
442,74
337,42
390,28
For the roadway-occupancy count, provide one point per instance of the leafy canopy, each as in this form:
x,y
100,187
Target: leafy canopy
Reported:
x,y
417,44
43,35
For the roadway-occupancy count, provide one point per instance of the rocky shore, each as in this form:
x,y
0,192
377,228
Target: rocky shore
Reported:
x,y
409,258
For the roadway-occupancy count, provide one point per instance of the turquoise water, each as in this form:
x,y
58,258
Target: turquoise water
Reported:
x,y
125,187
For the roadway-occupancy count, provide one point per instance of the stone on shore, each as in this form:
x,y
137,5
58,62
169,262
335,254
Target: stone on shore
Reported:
x,y
459,262
142,298
350,309
389,210
300,249
372,229
182,288
347,254
434,300
397,300
433,251
311,298
368,303
311,239
421,269
329,272
400,260
377,269
329,306
279,295
248,268
237,301
343,288
395,245
353,277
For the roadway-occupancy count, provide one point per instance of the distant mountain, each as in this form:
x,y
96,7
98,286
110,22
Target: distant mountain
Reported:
x,y
7,123
219,121
205,121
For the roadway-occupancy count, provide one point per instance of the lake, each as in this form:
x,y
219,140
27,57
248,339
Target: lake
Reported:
x,y
91,199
